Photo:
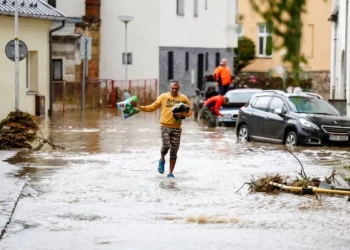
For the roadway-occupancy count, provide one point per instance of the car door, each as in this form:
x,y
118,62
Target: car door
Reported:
x,y
257,114
275,123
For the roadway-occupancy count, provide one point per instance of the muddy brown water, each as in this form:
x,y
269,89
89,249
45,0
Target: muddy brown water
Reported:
x,y
104,192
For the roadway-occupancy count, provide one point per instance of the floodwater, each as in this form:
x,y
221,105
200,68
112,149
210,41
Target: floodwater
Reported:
x,y
104,192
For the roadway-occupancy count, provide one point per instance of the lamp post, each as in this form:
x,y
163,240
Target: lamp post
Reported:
x,y
126,20
16,58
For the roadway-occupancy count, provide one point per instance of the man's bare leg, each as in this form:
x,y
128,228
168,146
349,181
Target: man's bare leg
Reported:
x,y
172,165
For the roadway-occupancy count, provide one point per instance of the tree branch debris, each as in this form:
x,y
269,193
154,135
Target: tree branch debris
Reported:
x,y
19,130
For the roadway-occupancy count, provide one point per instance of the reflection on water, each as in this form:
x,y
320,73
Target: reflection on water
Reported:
x,y
169,185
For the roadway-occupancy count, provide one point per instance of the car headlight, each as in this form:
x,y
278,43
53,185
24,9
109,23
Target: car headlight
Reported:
x,y
308,124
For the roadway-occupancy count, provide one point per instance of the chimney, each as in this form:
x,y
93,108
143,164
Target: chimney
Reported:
x,y
91,27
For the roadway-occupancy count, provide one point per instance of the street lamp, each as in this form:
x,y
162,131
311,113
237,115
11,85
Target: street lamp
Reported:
x,y
126,20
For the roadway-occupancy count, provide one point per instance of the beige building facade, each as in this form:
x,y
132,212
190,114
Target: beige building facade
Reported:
x,y
316,43
34,73
34,26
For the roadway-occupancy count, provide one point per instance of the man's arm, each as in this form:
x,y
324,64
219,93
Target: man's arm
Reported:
x,y
152,107
185,114
218,105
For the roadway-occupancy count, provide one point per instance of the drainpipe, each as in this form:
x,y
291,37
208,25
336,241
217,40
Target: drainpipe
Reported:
x,y
346,50
334,60
50,55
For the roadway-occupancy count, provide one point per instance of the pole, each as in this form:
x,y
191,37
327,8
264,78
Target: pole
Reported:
x,y
84,75
16,57
126,55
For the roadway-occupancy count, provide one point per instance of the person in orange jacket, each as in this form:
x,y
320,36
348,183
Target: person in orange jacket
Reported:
x,y
211,107
223,77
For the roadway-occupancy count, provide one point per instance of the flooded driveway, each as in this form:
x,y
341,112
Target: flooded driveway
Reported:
x,y
104,192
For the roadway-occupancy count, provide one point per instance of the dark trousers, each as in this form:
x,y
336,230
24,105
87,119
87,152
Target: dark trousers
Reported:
x,y
209,115
223,89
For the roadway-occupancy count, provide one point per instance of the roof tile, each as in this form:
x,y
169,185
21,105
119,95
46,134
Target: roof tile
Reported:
x,y
31,8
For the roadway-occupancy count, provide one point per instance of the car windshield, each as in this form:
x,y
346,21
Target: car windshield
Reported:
x,y
240,97
311,106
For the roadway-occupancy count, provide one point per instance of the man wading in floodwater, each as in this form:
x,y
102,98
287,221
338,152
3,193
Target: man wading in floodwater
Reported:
x,y
170,127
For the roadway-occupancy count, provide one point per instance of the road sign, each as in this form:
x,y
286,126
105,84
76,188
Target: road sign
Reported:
x,y
129,58
85,47
280,70
10,50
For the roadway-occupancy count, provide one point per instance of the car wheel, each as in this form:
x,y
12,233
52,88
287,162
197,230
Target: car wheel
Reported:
x,y
243,133
291,139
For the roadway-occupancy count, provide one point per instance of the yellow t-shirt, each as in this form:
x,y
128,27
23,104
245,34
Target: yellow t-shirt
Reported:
x,y
166,101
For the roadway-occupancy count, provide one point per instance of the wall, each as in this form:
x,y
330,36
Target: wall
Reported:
x,y
35,33
340,71
188,85
71,8
208,30
316,46
319,83
67,49
143,39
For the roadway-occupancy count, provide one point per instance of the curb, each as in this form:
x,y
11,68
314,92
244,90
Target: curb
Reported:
x,y
10,189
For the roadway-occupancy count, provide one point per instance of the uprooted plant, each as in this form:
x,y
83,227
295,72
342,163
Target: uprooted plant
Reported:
x,y
262,184
19,130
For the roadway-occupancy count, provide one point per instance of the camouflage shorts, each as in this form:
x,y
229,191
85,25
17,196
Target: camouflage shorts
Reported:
x,y
170,140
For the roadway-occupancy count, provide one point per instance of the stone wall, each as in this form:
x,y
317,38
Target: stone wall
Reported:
x,y
179,64
319,82
65,48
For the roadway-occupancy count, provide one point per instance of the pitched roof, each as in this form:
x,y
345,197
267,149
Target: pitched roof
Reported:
x,y
30,8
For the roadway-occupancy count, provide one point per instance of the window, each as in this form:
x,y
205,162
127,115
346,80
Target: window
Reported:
x,y
180,7
277,103
186,62
52,3
195,8
261,103
170,65
57,69
240,32
308,46
32,71
206,61
217,59
264,40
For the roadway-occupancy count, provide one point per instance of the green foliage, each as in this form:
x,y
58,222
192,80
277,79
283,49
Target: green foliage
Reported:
x,y
285,19
269,46
245,53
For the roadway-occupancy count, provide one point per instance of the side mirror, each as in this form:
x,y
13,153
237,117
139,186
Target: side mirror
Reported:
x,y
278,111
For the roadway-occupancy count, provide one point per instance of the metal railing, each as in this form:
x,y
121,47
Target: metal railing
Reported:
x,y
102,93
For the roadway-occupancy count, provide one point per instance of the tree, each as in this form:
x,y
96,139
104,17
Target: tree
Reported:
x,y
284,16
244,54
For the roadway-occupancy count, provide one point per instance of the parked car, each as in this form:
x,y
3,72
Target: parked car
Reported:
x,y
237,98
292,119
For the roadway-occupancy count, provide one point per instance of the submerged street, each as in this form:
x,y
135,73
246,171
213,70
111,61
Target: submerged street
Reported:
x,y
104,192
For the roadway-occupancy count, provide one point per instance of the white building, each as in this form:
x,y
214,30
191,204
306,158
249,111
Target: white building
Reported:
x,y
340,59
179,39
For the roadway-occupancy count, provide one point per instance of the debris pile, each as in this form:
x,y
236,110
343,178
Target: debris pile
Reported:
x,y
19,130
263,184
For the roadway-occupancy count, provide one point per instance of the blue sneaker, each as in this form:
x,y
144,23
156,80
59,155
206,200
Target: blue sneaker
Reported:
x,y
161,166
170,176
